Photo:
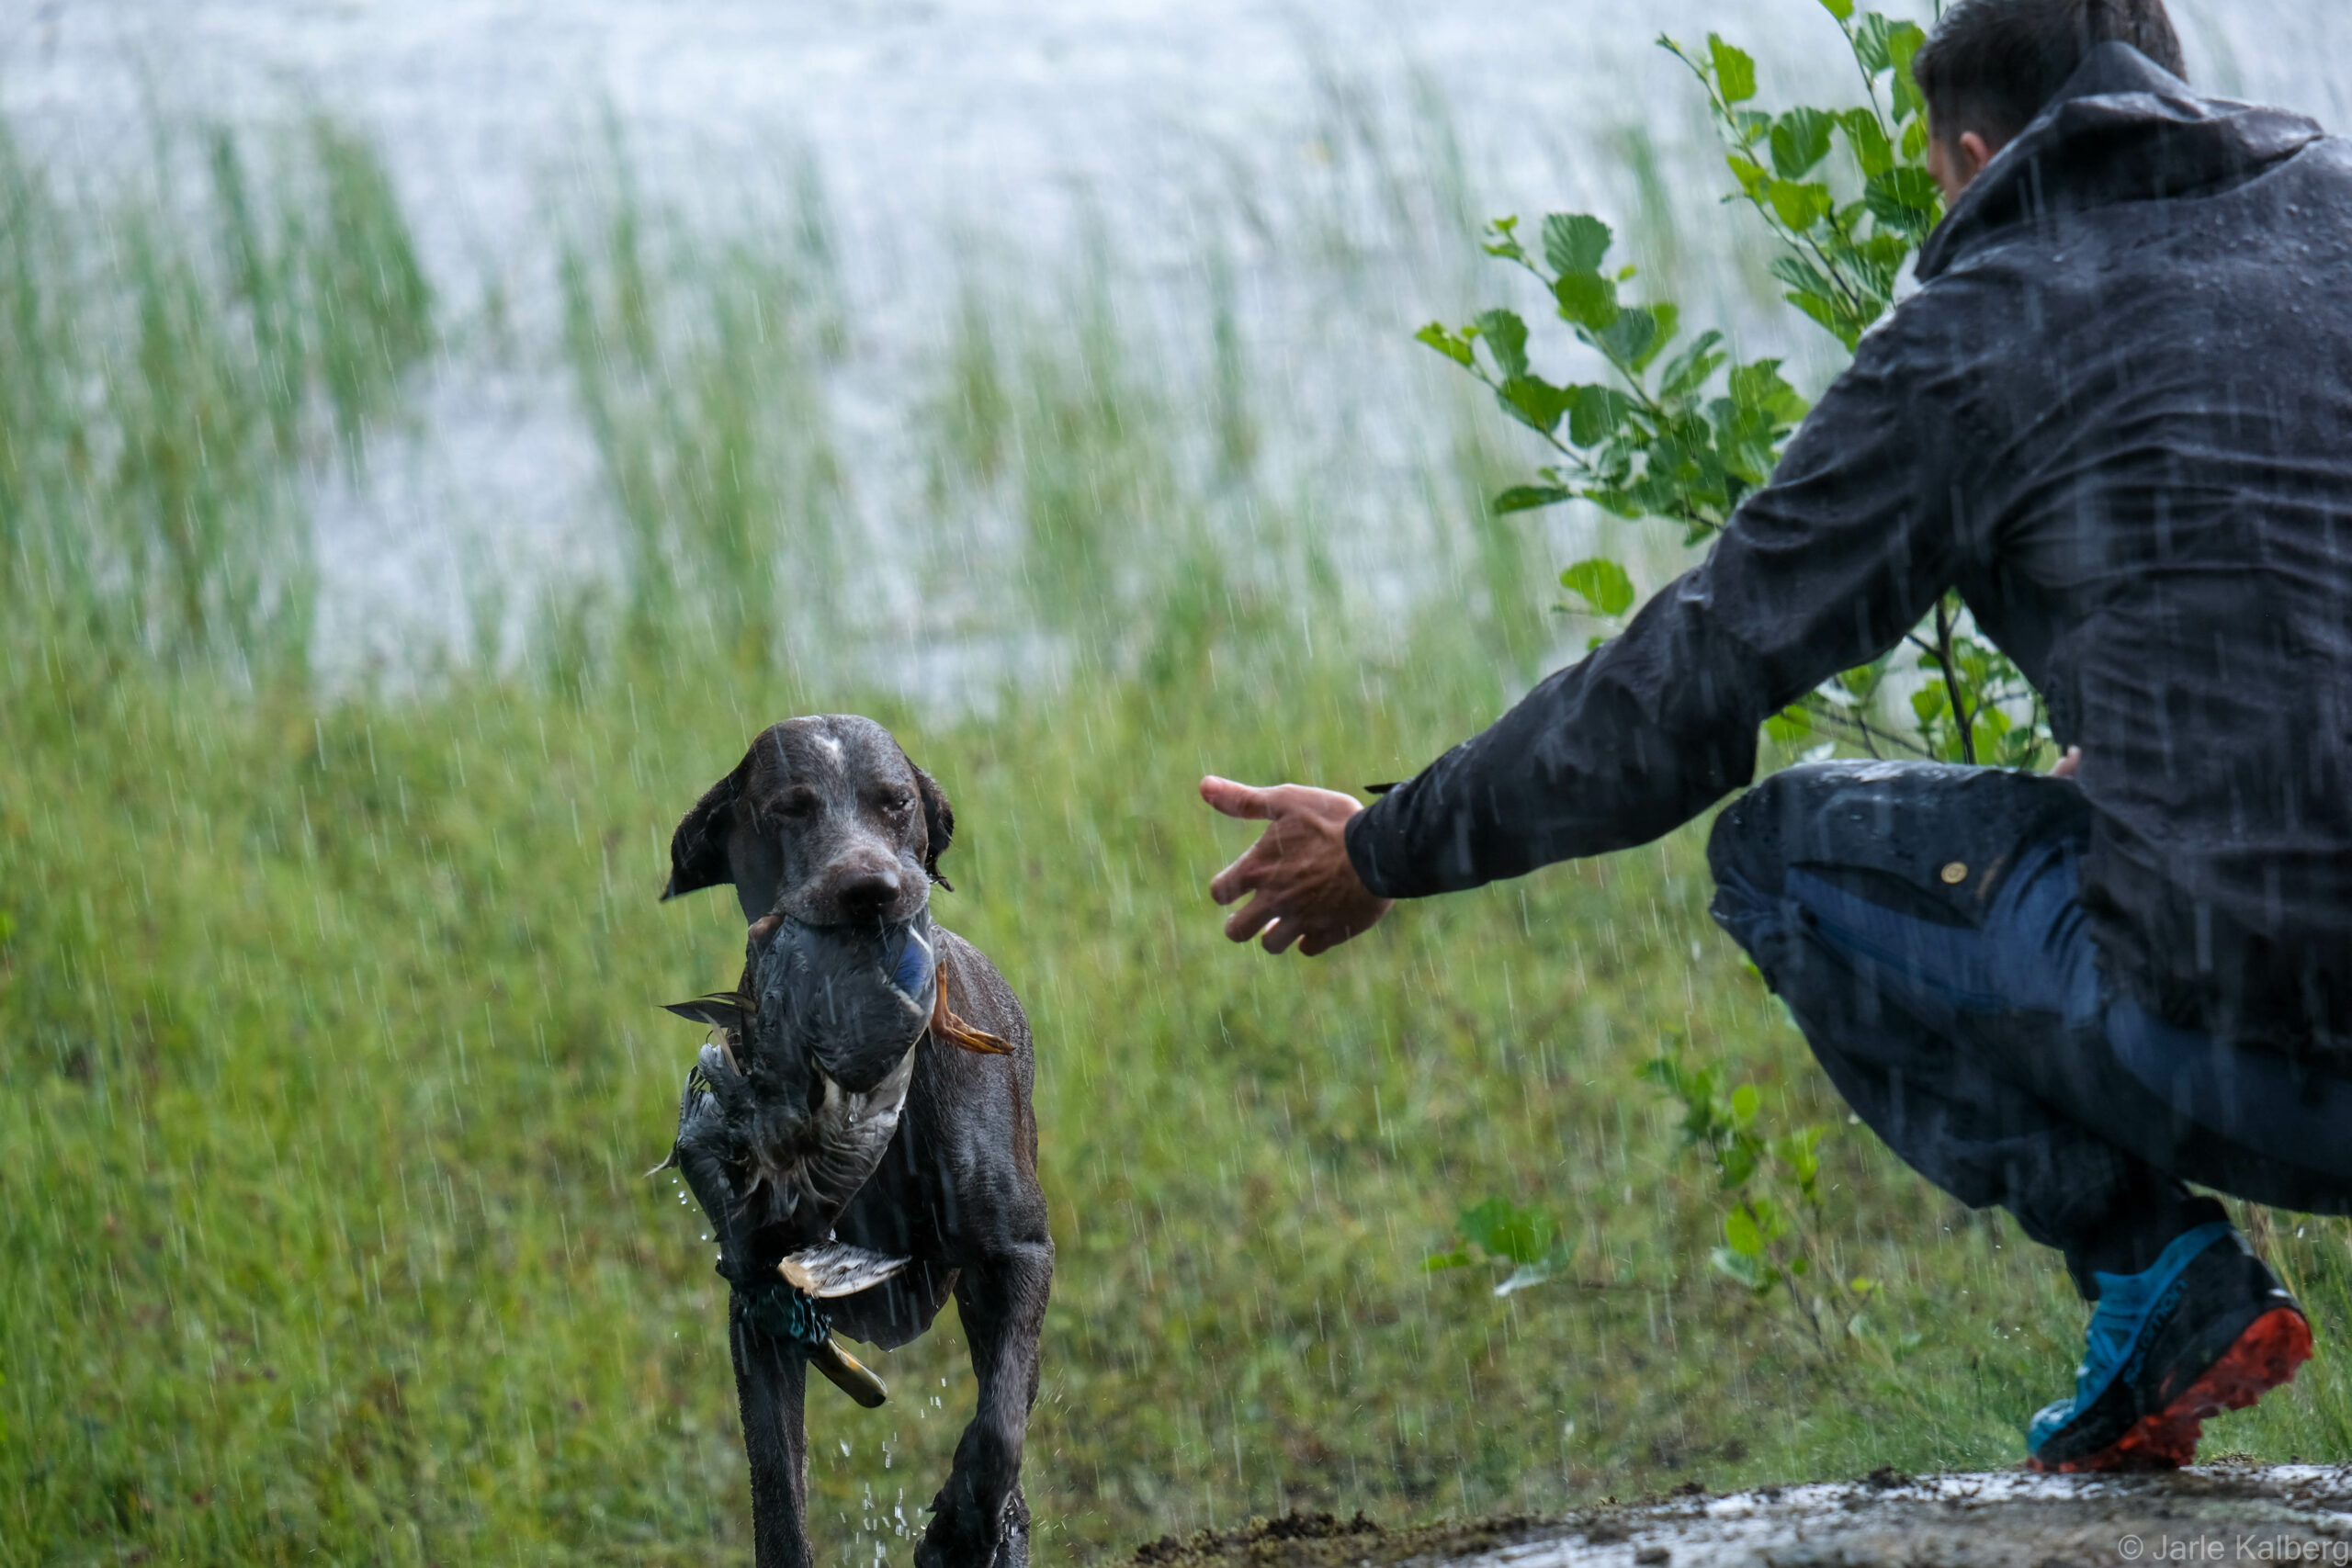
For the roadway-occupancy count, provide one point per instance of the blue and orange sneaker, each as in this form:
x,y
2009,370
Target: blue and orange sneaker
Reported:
x,y
2206,1328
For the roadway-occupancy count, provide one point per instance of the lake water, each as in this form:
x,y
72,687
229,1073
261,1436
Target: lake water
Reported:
x,y
950,135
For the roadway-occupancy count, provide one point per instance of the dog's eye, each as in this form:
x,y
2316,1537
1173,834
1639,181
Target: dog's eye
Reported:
x,y
899,804
794,806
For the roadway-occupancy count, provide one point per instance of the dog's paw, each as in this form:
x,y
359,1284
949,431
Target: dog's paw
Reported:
x,y
1012,1551
964,1537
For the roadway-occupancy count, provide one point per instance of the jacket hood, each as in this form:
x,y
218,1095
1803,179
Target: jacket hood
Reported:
x,y
2122,130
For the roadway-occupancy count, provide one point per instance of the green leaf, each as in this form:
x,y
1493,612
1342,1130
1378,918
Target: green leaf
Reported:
x,y
1734,70
1738,1162
1601,583
1904,198
1871,43
1835,315
1437,1261
1864,680
1627,339
1744,1102
1599,413
1690,369
1789,726
1529,497
1445,343
1914,140
1760,386
1800,140
1668,318
1748,1271
1801,275
1505,1230
1585,298
1903,41
1741,1232
1575,242
1841,9
1506,339
1798,205
1799,1151
1871,148
1535,402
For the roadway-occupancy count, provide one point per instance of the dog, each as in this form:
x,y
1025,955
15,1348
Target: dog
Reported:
x,y
829,833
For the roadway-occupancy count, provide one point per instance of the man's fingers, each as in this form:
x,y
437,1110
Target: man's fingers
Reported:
x,y
1249,920
1240,800
1282,936
1239,877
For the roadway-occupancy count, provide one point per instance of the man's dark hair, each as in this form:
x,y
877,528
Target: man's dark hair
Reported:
x,y
1990,65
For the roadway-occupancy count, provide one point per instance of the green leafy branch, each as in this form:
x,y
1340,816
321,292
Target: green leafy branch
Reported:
x,y
1640,444
1686,439
1773,1221
1841,258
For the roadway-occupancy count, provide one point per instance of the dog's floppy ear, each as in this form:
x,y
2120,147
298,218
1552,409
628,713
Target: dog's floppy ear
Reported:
x,y
938,823
698,848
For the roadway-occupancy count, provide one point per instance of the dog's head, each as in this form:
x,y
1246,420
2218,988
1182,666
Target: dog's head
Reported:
x,y
825,821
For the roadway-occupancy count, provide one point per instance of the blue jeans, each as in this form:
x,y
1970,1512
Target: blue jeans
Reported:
x,y
1922,923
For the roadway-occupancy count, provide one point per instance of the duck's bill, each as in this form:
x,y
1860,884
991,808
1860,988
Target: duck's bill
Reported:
x,y
849,1374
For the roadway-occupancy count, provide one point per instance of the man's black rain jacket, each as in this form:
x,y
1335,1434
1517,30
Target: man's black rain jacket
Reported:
x,y
2118,417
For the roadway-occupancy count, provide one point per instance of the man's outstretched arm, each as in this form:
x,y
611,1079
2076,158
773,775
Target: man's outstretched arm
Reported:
x,y
1825,568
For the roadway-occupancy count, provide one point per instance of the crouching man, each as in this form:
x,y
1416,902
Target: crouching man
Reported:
x,y
2117,416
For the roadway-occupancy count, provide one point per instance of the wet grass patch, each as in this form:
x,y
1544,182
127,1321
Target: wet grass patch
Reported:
x,y
334,1063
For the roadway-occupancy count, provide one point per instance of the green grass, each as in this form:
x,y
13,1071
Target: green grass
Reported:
x,y
334,1062
329,1023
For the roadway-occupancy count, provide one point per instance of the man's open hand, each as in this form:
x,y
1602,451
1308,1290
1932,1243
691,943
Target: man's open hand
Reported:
x,y
1307,890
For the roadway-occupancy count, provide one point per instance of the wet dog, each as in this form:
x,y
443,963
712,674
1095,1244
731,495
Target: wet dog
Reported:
x,y
860,1132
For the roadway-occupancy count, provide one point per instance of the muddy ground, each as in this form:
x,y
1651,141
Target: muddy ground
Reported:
x,y
2218,1514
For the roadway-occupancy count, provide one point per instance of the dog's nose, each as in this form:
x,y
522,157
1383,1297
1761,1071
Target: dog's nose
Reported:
x,y
866,894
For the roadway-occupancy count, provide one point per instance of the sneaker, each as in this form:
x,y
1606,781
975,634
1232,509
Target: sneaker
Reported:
x,y
2207,1328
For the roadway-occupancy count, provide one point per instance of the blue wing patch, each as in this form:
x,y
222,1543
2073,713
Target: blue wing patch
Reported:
x,y
913,970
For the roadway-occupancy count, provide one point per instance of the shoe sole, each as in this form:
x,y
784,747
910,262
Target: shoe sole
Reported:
x,y
2258,1360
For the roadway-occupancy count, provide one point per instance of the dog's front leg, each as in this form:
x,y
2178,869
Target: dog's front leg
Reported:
x,y
980,1518
771,1386
771,1373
